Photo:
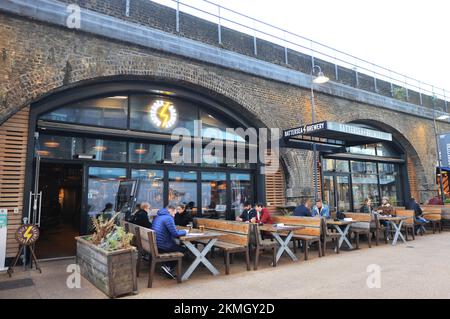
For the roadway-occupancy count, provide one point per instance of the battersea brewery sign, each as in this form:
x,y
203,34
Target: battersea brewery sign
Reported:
x,y
305,129
338,129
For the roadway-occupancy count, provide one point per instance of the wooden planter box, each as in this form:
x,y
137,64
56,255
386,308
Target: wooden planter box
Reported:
x,y
113,272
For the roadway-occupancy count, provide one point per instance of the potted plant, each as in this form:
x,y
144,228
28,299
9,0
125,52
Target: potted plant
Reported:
x,y
107,259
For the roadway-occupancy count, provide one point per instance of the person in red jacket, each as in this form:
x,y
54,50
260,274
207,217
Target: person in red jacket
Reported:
x,y
262,215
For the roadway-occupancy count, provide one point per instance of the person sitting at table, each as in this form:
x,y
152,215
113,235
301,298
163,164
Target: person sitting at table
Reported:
x,y
419,220
166,232
141,218
107,212
320,209
436,200
183,217
247,214
385,208
366,208
262,215
304,209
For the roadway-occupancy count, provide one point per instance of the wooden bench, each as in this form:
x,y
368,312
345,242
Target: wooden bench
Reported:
x,y
433,213
362,227
235,238
328,235
145,240
310,234
408,224
262,245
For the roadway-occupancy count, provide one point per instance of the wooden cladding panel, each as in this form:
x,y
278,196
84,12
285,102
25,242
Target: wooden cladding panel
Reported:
x,y
13,152
412,180
275,186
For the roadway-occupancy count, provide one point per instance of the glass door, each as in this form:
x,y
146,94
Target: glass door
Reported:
x,y
343,198
103,184
336,192
329,193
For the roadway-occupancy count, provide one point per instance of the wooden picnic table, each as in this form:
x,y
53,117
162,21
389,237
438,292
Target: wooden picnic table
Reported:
x,y
200,256
343,233
277,232
396,222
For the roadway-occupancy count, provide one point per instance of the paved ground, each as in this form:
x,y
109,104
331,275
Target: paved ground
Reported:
x,y
419,270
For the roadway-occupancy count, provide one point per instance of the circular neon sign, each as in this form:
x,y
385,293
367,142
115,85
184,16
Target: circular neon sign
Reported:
x,y
163,114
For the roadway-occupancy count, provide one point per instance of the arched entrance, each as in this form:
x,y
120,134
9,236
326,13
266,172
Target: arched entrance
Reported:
x,y
89,139
367,171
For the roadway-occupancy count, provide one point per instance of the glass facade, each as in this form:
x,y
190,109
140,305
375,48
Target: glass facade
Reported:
x,y
241,191
105,112
103,185
346,183
151,187
209,186
214,194
183,188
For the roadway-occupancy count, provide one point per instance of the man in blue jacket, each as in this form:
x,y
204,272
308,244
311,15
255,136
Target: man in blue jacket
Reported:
x,y
320,210
166,232
304,209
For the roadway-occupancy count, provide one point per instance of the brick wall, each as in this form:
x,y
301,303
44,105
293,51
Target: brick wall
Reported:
x,y
148,13
31,68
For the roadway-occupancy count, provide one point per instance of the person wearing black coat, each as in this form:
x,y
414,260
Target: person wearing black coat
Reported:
x,y
141,218
182,217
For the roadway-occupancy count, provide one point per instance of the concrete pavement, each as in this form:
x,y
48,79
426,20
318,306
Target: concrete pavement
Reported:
x,y
420,269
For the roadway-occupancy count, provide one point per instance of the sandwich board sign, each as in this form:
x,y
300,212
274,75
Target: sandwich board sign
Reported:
x,y
3,232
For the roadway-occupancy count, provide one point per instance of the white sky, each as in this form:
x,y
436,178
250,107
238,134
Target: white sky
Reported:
x,y
407,36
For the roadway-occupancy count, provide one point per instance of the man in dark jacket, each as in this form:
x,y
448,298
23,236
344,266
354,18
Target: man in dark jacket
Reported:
x,y
304,209
166,232
247,214
183,217
418,218
141,216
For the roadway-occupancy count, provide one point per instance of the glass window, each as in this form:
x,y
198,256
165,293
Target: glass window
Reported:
x,y
342,166
179,157
363,149
107,112
161,114
389,179
343,192
106,150
214,195
61,147
102,187
183,189
241,191
212,127
146,153
385,149
151,187
329,192
364,167
328,165
364,186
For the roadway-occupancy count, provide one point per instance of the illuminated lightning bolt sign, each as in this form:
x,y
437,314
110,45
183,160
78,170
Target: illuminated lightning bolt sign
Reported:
x,y
27,234
163,114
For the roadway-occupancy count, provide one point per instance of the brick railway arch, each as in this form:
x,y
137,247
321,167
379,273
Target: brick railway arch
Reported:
x,y
36,85
128,84
411,154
